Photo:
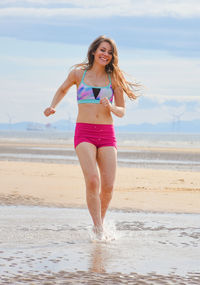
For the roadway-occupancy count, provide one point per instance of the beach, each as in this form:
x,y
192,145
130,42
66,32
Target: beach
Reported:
x,y
152,226
58,185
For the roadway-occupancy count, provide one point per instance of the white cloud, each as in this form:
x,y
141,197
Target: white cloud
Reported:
x,y
158,114
165,77
33,61
163,98
104,8
29,80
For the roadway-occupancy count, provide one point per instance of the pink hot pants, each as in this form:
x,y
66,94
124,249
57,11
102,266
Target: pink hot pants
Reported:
x,y
99,135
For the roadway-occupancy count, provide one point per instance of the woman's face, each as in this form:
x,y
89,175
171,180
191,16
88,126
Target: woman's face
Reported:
x,y
103,54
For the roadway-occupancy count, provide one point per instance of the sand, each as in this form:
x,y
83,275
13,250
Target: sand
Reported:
x,y
52,245
58,185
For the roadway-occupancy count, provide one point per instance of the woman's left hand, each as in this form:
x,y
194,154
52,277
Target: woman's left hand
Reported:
x,y
106,103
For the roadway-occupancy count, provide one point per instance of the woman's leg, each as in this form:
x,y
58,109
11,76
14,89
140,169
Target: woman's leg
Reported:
x,y
86,153
107,161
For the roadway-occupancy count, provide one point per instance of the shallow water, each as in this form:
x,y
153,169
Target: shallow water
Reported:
x,y
157,159
40,244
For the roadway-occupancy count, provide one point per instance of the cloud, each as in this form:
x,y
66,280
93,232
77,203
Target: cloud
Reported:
x,y
173,100
31,72
154,112
135,24
100,9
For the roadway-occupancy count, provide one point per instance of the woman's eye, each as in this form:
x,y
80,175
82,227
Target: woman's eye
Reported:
x,y
103,50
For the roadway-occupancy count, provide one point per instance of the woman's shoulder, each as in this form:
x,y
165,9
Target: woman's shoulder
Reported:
x,y
79,72
116,86
113,81
76,74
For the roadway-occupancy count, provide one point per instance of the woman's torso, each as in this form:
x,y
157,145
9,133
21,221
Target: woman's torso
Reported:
x,y
91,112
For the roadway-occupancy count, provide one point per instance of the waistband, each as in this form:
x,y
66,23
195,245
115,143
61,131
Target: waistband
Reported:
x,y
94,125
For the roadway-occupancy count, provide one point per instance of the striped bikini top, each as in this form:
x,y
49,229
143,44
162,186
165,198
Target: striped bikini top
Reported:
x,y
93,94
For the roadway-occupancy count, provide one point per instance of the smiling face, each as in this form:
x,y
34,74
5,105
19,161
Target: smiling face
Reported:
x,y
103,54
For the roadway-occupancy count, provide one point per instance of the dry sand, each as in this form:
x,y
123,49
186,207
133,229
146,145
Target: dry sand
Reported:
x,y
31,183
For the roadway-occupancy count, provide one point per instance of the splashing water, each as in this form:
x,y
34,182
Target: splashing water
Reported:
x,y
108,234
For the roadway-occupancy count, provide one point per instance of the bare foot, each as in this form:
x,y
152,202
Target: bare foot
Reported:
x,y
98,231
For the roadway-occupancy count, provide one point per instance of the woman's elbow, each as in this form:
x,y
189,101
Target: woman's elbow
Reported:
x,y
122,112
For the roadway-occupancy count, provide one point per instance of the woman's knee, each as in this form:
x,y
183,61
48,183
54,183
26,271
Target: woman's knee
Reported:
x,y
107,188
92,182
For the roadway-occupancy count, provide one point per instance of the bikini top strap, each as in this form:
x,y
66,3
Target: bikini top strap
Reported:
x,y
83,75
109,78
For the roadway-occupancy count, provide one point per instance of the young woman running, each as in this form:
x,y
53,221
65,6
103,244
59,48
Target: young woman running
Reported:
x,y
99,82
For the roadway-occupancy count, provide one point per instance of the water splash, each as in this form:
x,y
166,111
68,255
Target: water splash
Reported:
x,y
109,234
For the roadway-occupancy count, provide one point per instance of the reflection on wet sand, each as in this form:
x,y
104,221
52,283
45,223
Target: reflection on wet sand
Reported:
x,y
99,258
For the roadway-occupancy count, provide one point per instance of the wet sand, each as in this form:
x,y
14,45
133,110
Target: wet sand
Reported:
x,y
82,277
136,157
42,245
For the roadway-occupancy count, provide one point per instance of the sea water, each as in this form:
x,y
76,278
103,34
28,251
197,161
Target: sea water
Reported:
x,y
50,147
123,138
56,244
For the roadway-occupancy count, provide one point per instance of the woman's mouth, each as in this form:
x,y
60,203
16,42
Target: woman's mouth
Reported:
x,y
103,59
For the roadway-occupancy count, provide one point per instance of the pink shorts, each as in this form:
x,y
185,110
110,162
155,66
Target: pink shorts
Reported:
x,y
99,135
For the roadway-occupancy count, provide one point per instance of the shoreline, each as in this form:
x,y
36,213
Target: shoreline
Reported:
x,y
136,189
111,209
180,159
121,147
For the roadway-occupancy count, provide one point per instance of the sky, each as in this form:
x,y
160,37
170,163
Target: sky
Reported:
x,y
158,44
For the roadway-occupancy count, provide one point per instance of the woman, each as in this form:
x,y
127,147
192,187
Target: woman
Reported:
x,y
98,81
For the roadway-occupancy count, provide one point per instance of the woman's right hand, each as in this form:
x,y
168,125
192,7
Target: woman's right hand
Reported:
x,y
49,111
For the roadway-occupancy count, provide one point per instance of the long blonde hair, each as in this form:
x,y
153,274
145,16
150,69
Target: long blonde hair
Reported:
x,y
129,88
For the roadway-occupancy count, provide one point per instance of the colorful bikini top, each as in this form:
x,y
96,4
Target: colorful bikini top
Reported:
x,y
93,94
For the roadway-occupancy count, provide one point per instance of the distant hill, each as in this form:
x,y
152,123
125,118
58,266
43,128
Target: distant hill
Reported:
x,y
168,127
62,125
65,125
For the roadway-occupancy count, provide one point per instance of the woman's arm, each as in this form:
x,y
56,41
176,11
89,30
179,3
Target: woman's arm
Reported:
x,y
119,108
61,92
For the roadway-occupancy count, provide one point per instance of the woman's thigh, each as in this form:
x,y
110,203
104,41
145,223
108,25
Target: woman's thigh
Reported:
x,y
87,154
107,162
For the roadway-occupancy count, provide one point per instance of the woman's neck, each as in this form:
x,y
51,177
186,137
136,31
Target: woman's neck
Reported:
x,y
98,69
